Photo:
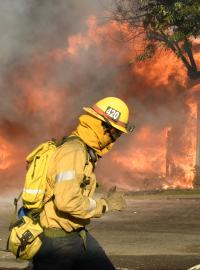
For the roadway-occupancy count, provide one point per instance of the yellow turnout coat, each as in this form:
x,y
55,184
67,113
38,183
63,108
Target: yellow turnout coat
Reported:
x,y
71,178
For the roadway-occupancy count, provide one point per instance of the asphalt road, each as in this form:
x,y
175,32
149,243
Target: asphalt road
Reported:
x,y
153,233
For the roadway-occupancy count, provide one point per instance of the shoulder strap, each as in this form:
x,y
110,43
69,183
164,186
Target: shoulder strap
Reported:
x,y
90,153
73,138
14,216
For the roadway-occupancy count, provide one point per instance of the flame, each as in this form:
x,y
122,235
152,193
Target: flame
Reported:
x,y
6,155
183,161
160,68
150,159
156,153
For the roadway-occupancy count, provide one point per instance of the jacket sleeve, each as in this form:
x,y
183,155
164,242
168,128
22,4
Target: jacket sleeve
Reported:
x,y
67,191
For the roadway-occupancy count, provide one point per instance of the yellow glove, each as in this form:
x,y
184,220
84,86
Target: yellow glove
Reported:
x,y
115,201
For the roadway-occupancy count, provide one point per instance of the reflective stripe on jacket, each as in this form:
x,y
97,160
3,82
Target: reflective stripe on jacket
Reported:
x,y
72,205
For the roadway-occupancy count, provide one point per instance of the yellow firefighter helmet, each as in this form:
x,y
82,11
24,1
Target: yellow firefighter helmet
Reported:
x,y
112,110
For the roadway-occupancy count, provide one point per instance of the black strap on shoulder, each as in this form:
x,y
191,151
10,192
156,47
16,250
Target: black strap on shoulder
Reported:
x,y
92,154
14,216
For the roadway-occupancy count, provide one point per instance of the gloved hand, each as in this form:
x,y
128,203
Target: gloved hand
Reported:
x,y
115,201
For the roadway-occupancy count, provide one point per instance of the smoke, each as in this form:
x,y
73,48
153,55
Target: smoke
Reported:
x,y
35,101
58,56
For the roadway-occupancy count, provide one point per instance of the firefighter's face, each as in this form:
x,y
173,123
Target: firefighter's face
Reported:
x,y
113,132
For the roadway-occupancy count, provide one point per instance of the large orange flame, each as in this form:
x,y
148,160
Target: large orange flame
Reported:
x,y
150,157
159,154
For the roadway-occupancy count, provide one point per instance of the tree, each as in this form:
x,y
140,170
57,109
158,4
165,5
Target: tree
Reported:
x,y
171,24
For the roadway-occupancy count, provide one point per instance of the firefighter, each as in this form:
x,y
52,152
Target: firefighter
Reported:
x,y
66,243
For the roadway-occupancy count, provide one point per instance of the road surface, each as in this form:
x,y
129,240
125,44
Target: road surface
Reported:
x,y
155,232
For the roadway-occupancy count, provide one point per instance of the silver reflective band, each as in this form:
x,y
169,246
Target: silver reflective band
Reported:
x,y
196,267
33,191
65,176
93,204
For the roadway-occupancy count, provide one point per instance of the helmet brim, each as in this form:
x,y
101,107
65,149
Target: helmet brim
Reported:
x,y
92,112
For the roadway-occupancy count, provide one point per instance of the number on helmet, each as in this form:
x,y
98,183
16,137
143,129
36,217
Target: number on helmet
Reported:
x,y
112,113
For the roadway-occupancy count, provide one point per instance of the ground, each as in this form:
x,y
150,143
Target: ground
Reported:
x,y
155,232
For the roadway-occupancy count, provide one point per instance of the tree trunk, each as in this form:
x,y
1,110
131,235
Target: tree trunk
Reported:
x,y
193,74
197,167
168,153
